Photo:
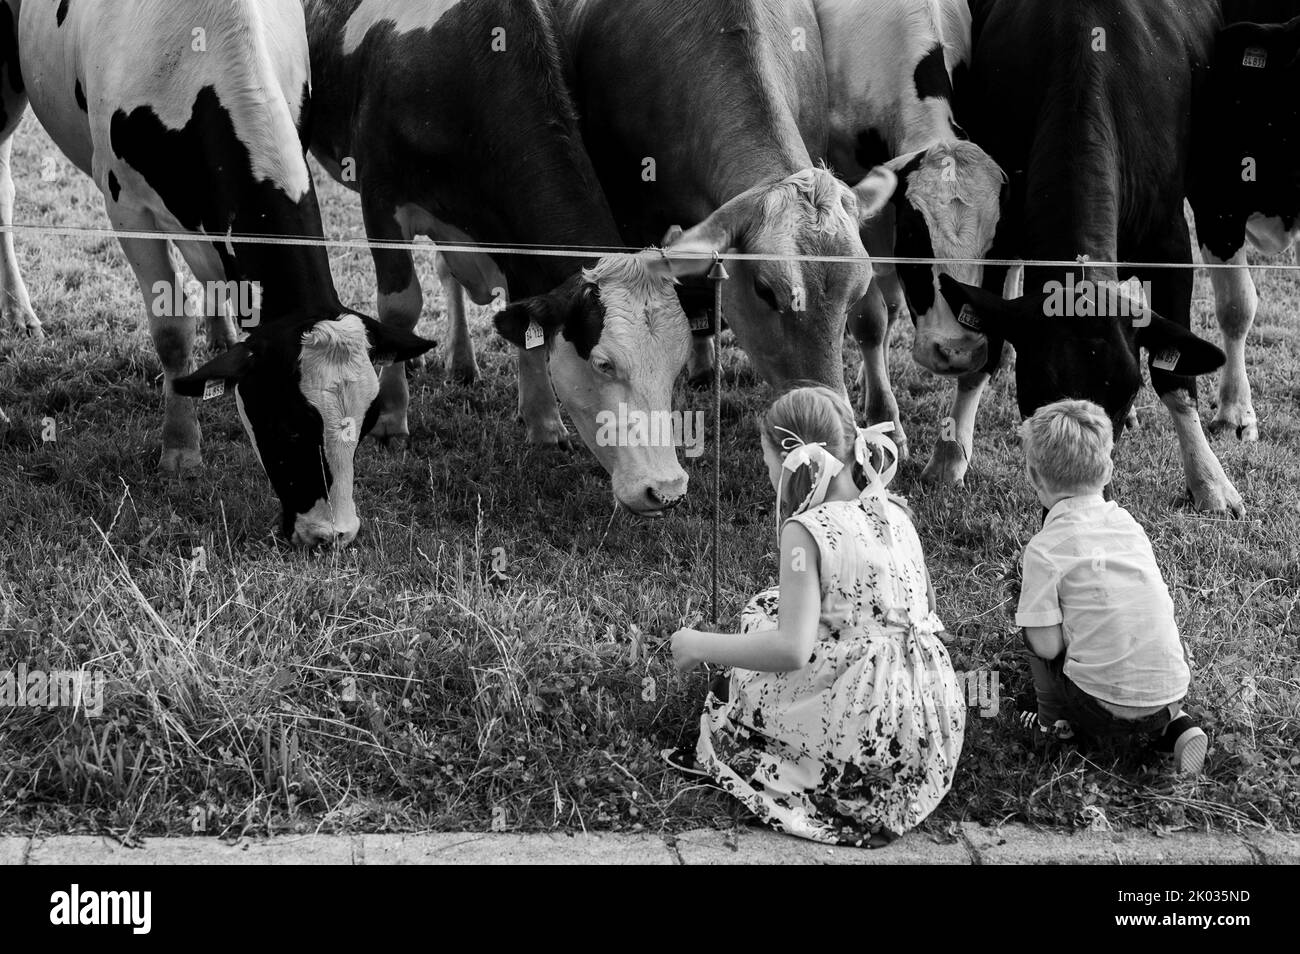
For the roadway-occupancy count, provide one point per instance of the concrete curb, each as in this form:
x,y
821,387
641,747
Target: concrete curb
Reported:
x,y
969,844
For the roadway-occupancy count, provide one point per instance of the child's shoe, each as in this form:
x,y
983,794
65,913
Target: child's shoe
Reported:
x,y
1061,730
1189,744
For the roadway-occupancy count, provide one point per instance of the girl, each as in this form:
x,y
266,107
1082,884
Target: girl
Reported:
x,y
842,720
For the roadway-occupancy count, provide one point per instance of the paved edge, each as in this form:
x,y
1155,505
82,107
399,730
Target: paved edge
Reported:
x,y
965,844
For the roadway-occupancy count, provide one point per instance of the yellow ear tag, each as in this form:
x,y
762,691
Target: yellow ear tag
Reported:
x,y
1255,57
213,388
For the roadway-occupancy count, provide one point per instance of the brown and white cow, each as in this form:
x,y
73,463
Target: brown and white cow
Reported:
x,y
713,116
188,117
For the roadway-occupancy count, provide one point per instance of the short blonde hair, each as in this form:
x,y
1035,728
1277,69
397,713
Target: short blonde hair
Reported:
x,y
1069,444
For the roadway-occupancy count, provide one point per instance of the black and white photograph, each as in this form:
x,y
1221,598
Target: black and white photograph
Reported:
x,y
650,432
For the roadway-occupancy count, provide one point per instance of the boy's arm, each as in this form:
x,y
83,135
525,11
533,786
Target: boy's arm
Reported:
x,y
1039,610
1047,642
789,646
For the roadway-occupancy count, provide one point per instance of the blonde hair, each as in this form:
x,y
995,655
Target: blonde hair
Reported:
x,y
1069,444
817,415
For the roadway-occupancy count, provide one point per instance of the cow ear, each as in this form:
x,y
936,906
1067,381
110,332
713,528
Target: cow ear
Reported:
x,y
1177,350
987,313
874,192
228,366
513,321
390,345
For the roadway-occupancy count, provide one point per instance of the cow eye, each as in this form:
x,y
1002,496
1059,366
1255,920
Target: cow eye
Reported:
x,y
604,366
764,291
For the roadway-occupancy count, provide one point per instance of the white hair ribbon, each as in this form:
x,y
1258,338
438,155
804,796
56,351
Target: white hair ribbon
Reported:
x,y
823,464
876,437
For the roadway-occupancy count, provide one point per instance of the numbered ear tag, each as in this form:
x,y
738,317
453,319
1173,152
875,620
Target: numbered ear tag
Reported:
x,y
534,337
1256,57
1166,360
348,430
968,319
701,323
213,388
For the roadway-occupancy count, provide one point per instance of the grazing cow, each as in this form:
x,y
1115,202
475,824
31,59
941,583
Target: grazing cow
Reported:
x,y
1087,105
452,120
187,117
713,113
889,65
1245,179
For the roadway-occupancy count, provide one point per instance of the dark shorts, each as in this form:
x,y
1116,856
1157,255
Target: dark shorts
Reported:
x,y
1088,715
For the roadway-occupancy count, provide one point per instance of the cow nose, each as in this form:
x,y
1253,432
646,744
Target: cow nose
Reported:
x,y
660,501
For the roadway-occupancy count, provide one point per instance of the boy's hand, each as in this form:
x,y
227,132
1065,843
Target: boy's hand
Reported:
x,y
683,656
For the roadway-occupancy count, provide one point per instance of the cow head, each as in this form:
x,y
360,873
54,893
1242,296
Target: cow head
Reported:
x,y
789,315
618,340
947,206
306,393
1089,358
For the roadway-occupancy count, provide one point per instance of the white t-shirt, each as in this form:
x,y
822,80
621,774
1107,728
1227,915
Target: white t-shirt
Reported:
x,y
1092,570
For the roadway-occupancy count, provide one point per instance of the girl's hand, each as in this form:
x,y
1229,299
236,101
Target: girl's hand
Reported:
x,y
683,644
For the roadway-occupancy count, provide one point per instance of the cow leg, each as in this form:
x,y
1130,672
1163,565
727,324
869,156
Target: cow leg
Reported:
x,y
400,303
205,263
173,338
1171,296
956,444
460,365
538,409
870,322
704,351
1235,303
14,301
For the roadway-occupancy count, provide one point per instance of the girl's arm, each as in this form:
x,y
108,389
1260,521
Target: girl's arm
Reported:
x,y
789,646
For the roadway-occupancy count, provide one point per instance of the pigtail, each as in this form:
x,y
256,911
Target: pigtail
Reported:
x,y
796,486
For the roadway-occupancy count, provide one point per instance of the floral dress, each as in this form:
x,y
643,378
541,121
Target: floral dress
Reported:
x,y
860,744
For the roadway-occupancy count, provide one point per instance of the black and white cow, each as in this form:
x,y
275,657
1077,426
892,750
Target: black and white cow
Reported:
x,y
714,115
187,116
452,120
889,66
1087,106
1245,181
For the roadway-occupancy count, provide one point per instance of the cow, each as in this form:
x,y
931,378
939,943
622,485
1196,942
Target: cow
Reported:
x,y
713,117
189,118
1245,182
452,120
889,67
1088,106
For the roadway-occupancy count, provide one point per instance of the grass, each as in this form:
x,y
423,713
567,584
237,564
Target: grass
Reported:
x,y
401,685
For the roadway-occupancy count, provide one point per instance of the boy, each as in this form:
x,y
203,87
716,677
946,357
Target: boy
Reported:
x,y
1097,616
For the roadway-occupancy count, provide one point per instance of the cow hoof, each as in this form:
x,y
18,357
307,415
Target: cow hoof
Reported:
x,y
1235,420
395,443
1218,497
180,461
700,380
26,322
548,434
948,465
461,372
390,427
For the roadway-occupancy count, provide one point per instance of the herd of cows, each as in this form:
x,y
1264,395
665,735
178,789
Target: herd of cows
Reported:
x,y
813,133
